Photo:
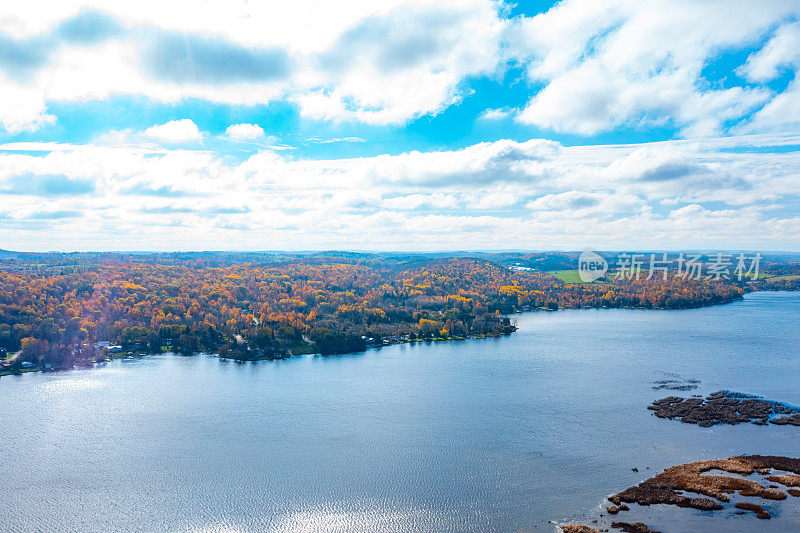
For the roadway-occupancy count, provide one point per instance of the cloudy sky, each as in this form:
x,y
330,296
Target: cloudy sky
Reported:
x,y
400,125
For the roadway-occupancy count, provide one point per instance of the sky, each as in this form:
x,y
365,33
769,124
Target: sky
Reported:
x,y
400,125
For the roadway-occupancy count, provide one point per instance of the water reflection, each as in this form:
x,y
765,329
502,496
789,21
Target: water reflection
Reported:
x,y
486,435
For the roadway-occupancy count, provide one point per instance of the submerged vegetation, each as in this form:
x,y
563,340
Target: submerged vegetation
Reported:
x,y
63,309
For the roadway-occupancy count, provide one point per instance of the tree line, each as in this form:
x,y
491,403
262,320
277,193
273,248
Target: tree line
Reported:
x,y
327,305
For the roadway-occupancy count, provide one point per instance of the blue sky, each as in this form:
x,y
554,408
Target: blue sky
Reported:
x,y
400,125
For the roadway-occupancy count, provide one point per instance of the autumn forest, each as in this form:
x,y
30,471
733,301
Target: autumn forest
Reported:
x,y
62,311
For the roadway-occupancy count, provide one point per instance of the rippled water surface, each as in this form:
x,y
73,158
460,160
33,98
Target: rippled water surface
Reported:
x,y
481,435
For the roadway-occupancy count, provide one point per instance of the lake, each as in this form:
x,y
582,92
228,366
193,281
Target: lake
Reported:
x,y
481,435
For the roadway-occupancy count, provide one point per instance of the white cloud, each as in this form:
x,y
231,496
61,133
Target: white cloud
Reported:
x,y
566,200
375,62
493,199
244,132
495,114
602,65
580,204
416,201
174,131
482,164
21,109
628,63
507,194
782,50
782,113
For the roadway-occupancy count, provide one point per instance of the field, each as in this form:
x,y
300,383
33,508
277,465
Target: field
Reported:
x,y
567,276
782,278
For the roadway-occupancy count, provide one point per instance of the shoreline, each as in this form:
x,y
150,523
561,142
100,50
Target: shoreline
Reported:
x,y
386,342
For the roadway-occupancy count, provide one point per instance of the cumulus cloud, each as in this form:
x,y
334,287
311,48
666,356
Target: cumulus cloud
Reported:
x,y
404,63
380,63
782,50
175,131
537,193
580,204
503,161
22,109
244,132
780,114
629,64
592,66
565,200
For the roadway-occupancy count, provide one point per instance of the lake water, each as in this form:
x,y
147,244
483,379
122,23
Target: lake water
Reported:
x,y
481,435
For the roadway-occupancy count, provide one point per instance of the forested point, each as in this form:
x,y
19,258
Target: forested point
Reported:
x,y
59,312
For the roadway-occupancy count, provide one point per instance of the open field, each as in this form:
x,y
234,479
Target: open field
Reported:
x,y
567,276
782,278
572,276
